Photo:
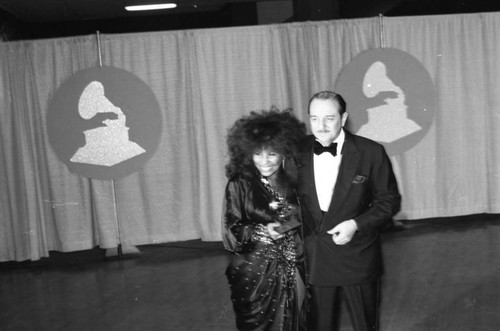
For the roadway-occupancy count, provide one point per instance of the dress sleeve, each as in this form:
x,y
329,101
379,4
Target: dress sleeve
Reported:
x,y
237,229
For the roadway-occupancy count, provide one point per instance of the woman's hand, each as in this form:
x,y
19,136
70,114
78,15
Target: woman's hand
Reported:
x,y
272,232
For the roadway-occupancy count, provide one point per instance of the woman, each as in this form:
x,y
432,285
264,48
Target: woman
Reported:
x,y
262,222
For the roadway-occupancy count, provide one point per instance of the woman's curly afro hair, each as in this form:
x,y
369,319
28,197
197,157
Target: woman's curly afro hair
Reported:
x,y
272,129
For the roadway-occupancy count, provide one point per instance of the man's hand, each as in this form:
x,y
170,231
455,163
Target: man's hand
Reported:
x,y
343,232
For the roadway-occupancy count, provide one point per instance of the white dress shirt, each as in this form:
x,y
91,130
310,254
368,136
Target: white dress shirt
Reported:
x,y
326,170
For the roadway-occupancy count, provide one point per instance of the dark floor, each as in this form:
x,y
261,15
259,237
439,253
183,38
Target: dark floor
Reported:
x,y
441,274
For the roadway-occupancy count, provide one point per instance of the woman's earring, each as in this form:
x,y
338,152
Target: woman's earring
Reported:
x,y
283,163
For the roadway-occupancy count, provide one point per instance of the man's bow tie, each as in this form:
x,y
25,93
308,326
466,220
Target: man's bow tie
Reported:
x,y
318,148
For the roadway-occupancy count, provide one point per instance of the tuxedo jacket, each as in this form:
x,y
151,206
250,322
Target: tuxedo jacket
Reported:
x,y
366,191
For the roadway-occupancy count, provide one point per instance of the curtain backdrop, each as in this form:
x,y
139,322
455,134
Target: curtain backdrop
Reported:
x,y
204,80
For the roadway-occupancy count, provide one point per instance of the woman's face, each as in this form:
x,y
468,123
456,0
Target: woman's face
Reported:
x,y
267,161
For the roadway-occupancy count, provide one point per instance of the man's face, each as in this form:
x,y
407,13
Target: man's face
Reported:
x,y
326,121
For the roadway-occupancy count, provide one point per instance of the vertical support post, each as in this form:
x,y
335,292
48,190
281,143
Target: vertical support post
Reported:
x,y
381,30
118,233
99,55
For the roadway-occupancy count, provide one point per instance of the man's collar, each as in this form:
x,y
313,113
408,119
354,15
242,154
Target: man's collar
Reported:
x,y
341,138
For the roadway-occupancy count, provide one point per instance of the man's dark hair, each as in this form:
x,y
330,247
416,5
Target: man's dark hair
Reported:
x,y
329,95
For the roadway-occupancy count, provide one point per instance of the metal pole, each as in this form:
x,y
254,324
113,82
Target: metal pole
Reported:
x,y
382,31
118,233
99,48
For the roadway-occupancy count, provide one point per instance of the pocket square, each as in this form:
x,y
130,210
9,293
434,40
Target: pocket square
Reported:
x,y
359,179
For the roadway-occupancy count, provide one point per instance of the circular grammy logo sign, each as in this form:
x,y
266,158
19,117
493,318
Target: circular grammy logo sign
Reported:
x,y
390,98
104,123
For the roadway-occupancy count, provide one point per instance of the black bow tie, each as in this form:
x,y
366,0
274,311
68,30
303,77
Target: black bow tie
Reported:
x,y
318,148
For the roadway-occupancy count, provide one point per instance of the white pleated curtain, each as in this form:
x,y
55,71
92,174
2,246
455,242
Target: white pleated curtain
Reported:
x,y
204,80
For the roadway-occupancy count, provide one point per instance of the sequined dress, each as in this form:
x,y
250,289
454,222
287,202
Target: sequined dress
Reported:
x,y
265,275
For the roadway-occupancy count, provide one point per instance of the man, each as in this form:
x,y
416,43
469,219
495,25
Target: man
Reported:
x,y
347,193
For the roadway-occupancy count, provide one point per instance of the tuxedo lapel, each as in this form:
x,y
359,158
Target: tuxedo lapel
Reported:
x,y
347,171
